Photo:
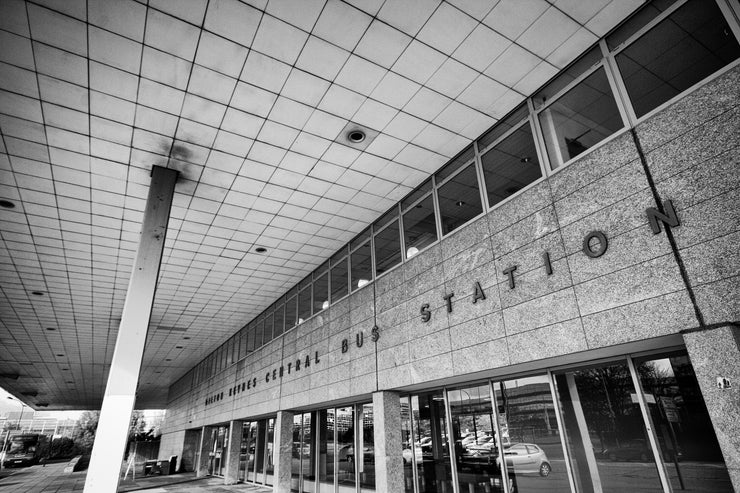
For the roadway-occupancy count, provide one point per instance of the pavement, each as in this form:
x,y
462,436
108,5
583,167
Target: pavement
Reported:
x,y
52,479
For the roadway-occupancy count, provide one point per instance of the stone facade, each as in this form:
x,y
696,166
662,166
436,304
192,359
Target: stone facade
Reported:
x,y
645,286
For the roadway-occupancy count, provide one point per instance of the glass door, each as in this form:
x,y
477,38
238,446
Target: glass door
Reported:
x,y
428,420
219,452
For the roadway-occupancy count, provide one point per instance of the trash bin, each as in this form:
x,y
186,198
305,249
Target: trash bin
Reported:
x,y
173,464
164,467
150,467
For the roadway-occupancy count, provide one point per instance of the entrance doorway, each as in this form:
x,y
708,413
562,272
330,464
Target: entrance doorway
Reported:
x,y
256,455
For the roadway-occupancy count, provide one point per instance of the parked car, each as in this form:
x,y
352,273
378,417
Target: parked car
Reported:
x,y
527,458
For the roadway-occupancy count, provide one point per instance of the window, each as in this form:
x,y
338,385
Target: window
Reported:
x,y
278,319
362,269
387,248
259,332
579,119
510,165
321,293
338,279
290,312
304,304
459,199
419,227
268,328
690,44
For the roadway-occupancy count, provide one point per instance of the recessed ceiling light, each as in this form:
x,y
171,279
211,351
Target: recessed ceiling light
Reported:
x,y
51,328
356,136
459,203
37,293
525,159
260,249
7,204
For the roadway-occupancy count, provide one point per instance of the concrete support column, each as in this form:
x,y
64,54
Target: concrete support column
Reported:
x,y
715,356
120,392
283,438
231,475
204,457
388,444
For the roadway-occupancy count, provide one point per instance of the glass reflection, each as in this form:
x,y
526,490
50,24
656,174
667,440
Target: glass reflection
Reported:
x,y
345,424
606,435
428,417
321,293
387,248
532,445
362,269
304,304
581,118
411,452
339,279
680,419
326,450
419,227
476,445
366,461
459,200
269,458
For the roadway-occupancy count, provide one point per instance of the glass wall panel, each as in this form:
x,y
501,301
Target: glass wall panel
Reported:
x,y
339,280
321,293
259,451
291,307
606,436
419,227
362,268
259,332
251,337
308,454
278,320
327,452
584,63
686,437
476,442
428,419
366,463
532,444
304,304
246,452
503,126
455,164
270,452
345,424
411,450
459,199
387,248
579,119
690,44
510,165
268,328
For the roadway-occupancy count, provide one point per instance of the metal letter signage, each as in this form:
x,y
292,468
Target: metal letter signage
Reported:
x,y
603,244
669,218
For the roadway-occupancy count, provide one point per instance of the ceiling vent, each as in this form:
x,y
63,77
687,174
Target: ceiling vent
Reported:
x,y
356,136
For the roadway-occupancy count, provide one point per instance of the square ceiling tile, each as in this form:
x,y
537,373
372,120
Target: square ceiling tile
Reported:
x,y
220,54
113,81
232,143
192,11
341,24
161,97
322,58
481,48
60,64
535,78
404,126
114,50
512,65
298,163
432,138
264,71
482,93
447,28
21,106
16,50
311,145
57,30
166,33
63,93
548,32
418,62
456,117
407,15
165,68
233,20
382,44
395,90
202,110
196,133
291,113
124,17
277,134
427,104
60,117
211,85
360,75
304,87
266,153
253,99
572,47
452,78
20,80
304,18
512,17
374,115
279,40
341,102
14,18
242,123
156,121
384,146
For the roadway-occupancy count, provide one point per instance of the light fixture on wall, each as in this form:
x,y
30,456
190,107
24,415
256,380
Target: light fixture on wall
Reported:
x,y
325,305
411,252
362,282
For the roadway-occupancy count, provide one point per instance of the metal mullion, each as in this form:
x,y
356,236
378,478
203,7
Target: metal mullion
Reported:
x,y
731,12
539,139
373,273
616,83
482,188
561,429
435,206
336,453
501,454
451,441
357,444
648,422
456,172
